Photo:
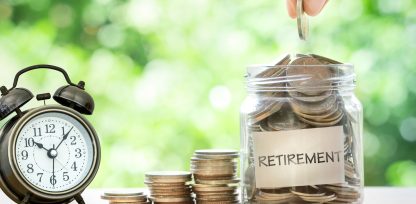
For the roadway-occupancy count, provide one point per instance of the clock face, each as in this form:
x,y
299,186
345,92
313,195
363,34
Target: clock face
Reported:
x,y
54,152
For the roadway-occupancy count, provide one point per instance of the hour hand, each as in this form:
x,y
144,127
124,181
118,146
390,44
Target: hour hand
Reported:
x,y
40,146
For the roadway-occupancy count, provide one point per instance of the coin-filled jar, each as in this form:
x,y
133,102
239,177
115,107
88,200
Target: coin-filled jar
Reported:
x,y
301,133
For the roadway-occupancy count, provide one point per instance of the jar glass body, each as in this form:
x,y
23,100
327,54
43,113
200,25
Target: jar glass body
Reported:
x,y
301,136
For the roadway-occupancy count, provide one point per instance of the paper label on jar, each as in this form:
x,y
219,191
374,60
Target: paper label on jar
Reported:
x,y
299,157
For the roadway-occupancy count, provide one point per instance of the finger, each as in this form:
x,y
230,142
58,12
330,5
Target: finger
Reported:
x,y
291,8
313,7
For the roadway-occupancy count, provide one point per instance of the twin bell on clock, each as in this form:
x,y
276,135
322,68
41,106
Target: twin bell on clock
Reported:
x,y
51,153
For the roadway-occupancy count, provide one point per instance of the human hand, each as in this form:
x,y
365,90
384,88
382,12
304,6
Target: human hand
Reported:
x,y
311,7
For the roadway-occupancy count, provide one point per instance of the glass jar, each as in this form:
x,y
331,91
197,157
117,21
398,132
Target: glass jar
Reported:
x,y
301,133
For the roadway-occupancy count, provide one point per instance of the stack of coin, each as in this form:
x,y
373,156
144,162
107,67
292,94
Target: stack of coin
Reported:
x,y
122,197
298,93
169,187
215,176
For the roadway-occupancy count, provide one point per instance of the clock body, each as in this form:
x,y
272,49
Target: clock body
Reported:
x,y
49,154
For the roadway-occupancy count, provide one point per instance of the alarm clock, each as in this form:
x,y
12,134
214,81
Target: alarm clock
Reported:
x,y
51,153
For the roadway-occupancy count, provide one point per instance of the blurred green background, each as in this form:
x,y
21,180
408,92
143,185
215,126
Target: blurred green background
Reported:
x,y
167,76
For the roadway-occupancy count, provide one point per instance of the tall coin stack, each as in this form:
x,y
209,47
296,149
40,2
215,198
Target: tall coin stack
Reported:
x,y
125,197
169,187
215,177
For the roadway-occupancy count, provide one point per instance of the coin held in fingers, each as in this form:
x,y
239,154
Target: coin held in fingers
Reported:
x,y
302,20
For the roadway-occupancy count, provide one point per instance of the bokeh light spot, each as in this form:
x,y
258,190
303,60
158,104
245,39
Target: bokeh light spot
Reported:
x,y
61,15
111,36
371,144
408,129
402,173
220,97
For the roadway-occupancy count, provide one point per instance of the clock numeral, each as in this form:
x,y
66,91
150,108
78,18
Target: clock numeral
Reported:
x,y
74,166
29,142
65,176
25,155
40,175
50,128
37,132
30,168
53,180
78,151
73,142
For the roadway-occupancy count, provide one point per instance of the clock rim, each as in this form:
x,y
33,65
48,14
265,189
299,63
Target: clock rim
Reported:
x,y
95,143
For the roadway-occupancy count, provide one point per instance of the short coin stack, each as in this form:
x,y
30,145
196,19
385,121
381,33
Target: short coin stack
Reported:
x,y
125,197
215,177
169,187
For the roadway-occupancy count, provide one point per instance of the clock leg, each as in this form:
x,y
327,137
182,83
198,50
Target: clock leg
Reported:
x,y
79,199
25,200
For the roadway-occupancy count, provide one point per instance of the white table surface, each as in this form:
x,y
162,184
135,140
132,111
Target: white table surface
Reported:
x,y
373,195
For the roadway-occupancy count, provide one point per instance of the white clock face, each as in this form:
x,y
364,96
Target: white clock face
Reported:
x,y
54,152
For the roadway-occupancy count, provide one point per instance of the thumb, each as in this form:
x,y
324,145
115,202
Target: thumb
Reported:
x,y
313,7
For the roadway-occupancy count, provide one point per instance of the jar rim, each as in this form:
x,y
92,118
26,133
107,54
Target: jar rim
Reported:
x,y
284,78
257,66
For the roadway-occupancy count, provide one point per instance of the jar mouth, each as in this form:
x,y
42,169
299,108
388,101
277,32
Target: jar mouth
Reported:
x,y
287,78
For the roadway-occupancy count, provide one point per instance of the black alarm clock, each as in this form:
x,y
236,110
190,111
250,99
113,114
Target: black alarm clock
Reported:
x,y
51,153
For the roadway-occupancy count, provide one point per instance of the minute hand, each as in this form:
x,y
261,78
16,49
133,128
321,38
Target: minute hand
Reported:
x,y
64,138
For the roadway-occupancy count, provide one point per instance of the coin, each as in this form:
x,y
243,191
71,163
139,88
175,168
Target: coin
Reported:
x,y
217,182
285,120
265,111
125,196
168,176
217,156
324,59
302,20
278,194
315,108
305,98
215,152
167,199
309,76
123,193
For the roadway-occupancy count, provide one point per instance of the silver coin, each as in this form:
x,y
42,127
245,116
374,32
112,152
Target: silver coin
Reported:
x,y
315,108
285,120
217,156
265,112
302,20
308,77
215,152
124,198
170,199
308,98
168,174
217,182
324,59
123,193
